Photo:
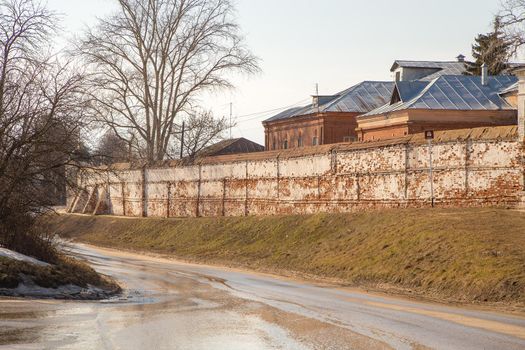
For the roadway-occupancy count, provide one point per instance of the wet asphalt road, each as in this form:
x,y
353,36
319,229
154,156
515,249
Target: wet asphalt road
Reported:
x,y
173,305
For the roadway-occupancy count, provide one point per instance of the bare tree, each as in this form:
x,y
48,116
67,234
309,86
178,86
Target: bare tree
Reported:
x,y
41,113
113,149
512,21
201,130
151,60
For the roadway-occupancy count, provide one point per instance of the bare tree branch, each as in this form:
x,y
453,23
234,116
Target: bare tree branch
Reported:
x,y
512,20
151,60
202,130
42,114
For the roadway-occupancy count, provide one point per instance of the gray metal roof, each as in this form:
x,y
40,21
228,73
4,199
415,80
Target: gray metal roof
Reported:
x,y
454,92
428,64
231,146
443,68
285,114
360,98
409,89
512,88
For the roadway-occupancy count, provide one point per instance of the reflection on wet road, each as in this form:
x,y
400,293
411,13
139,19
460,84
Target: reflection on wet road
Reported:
x,y
172,305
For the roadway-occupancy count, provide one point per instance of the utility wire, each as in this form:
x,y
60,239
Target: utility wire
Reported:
x,y
261,114
273,110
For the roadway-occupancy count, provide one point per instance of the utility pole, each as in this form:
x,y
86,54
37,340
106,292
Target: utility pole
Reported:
x,y
231,114
182,139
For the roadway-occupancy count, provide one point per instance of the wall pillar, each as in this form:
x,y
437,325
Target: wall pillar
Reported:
x,y
144,199
520,73
246,181
223,197
123,191
407,166
168,200
468,150
197,207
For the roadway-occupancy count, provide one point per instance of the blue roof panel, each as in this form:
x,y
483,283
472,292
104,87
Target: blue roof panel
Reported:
x,y
360,98
456,92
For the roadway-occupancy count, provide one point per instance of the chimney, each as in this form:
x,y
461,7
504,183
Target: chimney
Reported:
x,y
315,101
461,58
520,73
484,74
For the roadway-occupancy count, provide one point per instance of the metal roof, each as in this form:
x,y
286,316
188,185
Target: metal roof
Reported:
x,y
442,67
512,88
453,92
360,98
231,146
409,89
285,114
428,64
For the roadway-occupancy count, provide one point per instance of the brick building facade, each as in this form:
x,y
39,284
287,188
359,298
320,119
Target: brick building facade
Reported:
x,y
311,130
327,120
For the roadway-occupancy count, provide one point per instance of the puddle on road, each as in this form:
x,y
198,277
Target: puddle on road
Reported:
x,y
166,309
198,316
11,336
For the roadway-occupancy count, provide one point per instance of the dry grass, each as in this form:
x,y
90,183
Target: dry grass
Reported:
x,y
66,271
466,255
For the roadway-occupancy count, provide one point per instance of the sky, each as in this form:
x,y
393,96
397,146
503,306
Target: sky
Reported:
x,y
332,43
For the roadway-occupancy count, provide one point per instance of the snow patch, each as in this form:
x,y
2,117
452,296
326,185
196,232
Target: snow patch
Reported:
x,y
28,288
10,254
70,291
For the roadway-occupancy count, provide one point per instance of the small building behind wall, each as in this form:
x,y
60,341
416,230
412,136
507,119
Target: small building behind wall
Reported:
x,y
230,146
328,119
445,103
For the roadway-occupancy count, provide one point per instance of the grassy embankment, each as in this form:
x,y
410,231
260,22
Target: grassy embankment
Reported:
x,y
466,255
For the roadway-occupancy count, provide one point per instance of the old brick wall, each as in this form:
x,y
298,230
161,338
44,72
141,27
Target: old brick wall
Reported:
x,y
477,167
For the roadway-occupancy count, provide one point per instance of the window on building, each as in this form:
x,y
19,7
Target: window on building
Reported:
x,y
300,141
348,139
274,145
321,136
285,144
314,141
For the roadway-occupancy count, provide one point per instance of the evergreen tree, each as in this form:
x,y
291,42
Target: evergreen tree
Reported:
x,y
492,49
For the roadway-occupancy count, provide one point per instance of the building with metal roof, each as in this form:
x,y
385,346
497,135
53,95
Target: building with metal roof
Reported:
x,y
328,119
231,146
409,70
423,95
405,70
446,102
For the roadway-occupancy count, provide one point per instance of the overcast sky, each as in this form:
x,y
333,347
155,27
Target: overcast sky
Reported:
x,y
335,43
